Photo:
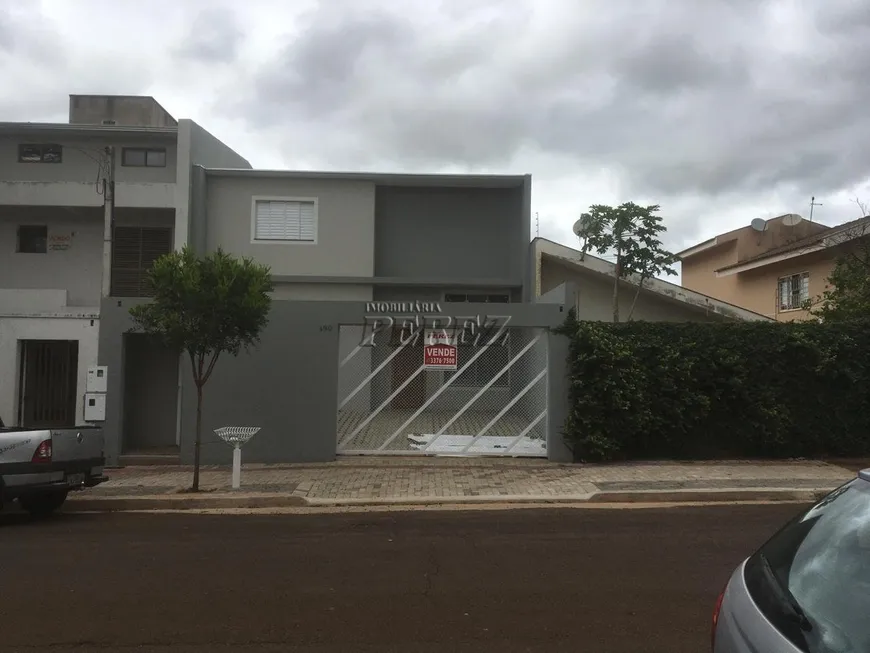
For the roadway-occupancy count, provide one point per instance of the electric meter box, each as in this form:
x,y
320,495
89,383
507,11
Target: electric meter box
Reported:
x,y
95,407
97,375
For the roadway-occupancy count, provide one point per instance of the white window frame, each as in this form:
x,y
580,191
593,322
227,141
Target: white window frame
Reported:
x,y
788,277
275,198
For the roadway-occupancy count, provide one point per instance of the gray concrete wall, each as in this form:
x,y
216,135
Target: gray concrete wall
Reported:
x,y
345,224
125,110
528,290
329,292
79,162
73,262
558,404
288,386
211,152
557,376
451,233
198,149
76,270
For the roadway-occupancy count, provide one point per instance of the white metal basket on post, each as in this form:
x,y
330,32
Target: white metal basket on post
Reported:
x,y
236,436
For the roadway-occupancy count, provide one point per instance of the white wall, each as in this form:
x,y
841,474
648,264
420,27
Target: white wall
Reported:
x,y
13,329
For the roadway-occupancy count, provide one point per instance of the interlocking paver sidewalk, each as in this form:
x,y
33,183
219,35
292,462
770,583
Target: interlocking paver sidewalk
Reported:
x,y
402,479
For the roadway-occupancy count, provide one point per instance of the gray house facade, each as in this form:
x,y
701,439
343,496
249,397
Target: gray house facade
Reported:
x,y
367,269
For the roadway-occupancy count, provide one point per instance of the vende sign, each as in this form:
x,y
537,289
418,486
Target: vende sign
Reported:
x,y
439,350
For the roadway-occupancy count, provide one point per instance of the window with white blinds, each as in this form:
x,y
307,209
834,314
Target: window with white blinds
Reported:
x,y
290,220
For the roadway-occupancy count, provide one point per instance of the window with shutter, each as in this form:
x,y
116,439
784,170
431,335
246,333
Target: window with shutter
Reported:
x,y
134,250
285,220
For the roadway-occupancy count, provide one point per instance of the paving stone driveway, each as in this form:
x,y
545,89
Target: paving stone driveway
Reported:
x,y
410,478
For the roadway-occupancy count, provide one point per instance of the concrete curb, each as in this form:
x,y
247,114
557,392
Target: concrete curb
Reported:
x,y
236,501
714,495
181,502
450,500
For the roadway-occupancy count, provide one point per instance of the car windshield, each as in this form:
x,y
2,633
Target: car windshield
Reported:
x,y
812,579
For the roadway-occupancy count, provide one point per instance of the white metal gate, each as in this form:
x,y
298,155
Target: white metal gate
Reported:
x,y
493,404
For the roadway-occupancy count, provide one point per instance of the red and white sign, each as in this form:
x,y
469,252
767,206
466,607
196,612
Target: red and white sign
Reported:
x,y
439,350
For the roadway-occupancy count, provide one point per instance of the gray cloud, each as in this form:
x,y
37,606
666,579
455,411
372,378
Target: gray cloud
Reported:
x,y
213,37
705,99
719,111
24,32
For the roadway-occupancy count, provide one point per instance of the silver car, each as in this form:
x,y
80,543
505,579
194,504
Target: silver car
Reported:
x,y
807,589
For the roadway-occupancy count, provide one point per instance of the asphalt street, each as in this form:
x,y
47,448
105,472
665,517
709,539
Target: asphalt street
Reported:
x,y
604,581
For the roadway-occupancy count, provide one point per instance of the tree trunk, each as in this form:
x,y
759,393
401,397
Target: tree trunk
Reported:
x,y
198,439
634,301
616,290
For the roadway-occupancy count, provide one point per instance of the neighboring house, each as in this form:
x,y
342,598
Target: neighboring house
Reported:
x,y
348,250
771,268
55,259
589,287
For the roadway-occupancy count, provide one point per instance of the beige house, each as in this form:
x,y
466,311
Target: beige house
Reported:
x,y
770,267
562,274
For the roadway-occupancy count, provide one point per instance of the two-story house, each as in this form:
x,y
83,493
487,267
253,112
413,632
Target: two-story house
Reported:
x,y
347,251
67,240
772,266
355,259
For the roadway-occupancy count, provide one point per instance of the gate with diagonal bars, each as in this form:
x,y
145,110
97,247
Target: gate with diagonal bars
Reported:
x,y
493,404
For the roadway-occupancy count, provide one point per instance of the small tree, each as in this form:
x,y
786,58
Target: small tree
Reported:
x,y
206,307
631,232
848,294
848,297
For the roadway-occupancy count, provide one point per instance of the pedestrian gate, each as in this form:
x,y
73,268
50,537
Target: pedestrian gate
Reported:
x,y
494,403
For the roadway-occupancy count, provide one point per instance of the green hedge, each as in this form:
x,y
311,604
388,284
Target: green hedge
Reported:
x,y
645,390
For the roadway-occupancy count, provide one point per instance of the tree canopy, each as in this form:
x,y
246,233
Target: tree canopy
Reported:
x,y
848,297
632,233
205,306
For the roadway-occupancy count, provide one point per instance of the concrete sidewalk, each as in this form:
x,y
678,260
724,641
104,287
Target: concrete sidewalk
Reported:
x,y
428,481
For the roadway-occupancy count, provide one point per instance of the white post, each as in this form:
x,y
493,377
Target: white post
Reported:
x,y
237,467
236,436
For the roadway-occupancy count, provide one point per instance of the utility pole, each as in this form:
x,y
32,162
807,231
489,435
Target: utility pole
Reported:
x,y
108,219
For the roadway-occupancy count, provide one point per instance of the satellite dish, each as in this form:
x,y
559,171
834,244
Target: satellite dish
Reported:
x,y
791,219
581,226
758,224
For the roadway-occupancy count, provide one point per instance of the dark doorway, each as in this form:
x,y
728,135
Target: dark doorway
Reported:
x,y
150,395
403,366
48,380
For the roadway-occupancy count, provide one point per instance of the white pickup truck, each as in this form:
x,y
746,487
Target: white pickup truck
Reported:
x,y
40,467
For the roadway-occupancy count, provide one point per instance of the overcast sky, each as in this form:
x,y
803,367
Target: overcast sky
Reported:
x,y
720,111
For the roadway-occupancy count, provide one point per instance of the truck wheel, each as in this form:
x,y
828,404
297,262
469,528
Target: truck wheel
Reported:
x,y
42,504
